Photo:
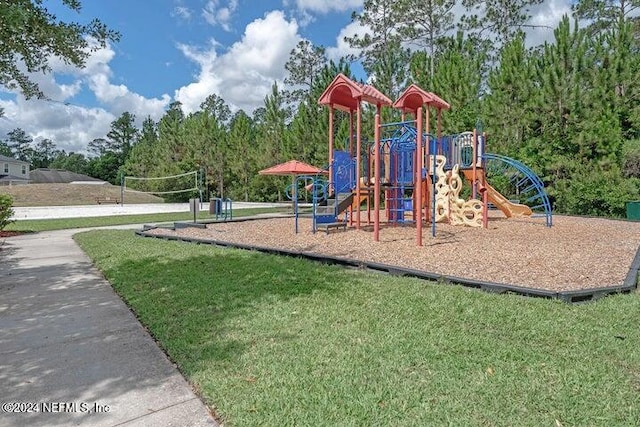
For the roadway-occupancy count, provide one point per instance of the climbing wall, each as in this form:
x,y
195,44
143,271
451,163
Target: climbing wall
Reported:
x,y
449,206
442,189
462,212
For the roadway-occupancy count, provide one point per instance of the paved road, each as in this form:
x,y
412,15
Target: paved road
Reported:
x,y
67,337
47,212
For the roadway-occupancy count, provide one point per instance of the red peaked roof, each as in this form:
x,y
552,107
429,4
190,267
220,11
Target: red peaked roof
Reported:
x,y
414,97
292,167
345,94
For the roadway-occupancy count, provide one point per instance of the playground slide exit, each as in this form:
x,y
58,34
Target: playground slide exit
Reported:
x,y
507,207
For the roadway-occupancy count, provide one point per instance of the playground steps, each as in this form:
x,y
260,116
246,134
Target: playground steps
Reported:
x,y
332,226
334,205
328,212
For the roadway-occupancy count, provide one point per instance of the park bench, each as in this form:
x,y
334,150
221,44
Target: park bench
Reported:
x,y
332,226
101,200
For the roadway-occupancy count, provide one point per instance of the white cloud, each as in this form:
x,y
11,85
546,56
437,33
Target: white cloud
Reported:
x,y
545,17
192,95
54,90
117,98
71,127
120,99
97,76
305,18
182,12
217,14
326,6
342,48
243,75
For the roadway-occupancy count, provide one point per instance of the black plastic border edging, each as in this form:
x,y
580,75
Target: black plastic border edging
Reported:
x,y
631,281
203,223
577,296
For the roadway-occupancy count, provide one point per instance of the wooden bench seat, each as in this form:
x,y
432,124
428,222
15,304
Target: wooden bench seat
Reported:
x,y
101,200
332,226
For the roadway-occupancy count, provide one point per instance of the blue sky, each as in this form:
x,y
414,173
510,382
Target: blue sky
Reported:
x,y
148,57
184,50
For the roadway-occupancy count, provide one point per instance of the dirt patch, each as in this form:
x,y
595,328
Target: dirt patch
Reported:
x,y
576,253
4,233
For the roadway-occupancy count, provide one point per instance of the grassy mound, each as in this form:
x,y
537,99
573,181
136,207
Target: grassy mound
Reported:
x,y
70,194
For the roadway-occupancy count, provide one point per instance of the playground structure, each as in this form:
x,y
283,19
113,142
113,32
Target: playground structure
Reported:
x,y
419,173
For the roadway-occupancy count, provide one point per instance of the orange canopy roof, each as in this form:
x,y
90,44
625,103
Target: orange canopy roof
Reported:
x,y
292,167
345,94
414,97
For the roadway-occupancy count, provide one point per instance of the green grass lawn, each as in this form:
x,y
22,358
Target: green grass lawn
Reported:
x,y
270,340
101,221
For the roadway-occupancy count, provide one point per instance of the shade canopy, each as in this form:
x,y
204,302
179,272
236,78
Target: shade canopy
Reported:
x,y
345,94
292,167
414,97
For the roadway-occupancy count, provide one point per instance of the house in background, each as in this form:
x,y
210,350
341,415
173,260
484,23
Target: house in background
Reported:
x,y
61,176
13,171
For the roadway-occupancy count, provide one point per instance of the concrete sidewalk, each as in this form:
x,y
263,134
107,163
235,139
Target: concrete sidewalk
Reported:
x,y
67,338
50,212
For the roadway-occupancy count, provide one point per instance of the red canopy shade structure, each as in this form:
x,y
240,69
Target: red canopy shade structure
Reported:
x,y
292,167
345,94
415,97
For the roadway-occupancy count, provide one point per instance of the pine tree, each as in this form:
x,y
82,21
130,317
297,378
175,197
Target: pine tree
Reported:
x,y
274,127
141,161
497,20
561,70
273,144
20,144
170,147
122,136
304,65
215,106
507,107
214,120
384,56
624,51
300,132
242,161
72,162
425,23
98,146
606,15
43,154
458,80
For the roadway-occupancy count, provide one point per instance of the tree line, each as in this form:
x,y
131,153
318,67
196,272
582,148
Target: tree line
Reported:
x,y
569,109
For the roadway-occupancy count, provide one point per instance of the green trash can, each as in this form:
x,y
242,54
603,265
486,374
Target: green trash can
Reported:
x,y
633,210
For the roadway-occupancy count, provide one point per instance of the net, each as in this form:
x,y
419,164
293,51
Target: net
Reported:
x,y
173,184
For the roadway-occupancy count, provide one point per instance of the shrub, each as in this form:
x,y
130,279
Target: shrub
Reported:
x,y
6,202
599,193
631,165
